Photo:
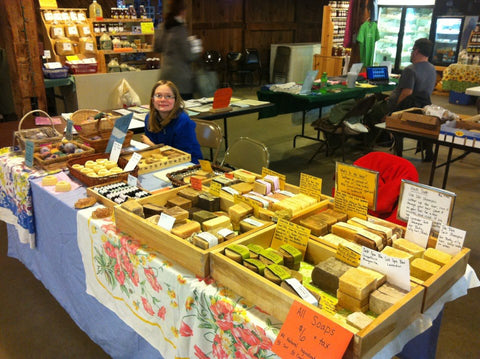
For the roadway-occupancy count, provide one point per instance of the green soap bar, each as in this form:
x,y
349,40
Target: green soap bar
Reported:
x,y
294,252
239,249
272,256
280,271
255,248
259,265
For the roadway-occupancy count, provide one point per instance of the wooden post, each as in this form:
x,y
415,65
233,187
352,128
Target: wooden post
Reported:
x,y
19,37
327,32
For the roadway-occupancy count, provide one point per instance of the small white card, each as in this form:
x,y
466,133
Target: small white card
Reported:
x,y
302,291
397,270
132,163
115,153
450,240
418,230
166,221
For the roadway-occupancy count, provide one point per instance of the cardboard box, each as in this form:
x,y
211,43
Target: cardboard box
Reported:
x,y
411,121
277,301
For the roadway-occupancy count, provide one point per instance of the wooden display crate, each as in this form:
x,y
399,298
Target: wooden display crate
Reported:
x,y
175,248
175,157
277,301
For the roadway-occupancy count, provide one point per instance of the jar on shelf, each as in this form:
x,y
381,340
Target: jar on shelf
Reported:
x,y
106,42
142,12
131,12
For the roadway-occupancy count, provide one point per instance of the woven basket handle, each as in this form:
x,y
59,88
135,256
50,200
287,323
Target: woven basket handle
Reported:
x,y
29,113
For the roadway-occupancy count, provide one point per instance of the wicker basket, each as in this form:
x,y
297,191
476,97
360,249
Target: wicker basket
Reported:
x,y
39,136
177,178
86,124
93,181
61,162
100,145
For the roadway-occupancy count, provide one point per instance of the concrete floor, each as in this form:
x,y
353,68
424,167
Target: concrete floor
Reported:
x,y
33,324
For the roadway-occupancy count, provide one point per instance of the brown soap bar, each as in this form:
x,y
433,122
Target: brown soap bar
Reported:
x,y
186,229
180,202
242,187
190,194
208,202
326,274
315,224
202,216
180,214
340,216
150,209
134,207
384,297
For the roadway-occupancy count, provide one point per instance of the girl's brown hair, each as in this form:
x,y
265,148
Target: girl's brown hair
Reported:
x,y
155,122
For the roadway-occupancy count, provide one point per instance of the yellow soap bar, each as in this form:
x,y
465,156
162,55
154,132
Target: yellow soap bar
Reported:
x,y
238,212
397,253
436,256
345,230
410,247
357,283
62,186
353,304
49,180
186,229
217,222
422,269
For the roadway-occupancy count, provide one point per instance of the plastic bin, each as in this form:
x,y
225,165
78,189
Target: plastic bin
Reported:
x,y
460,98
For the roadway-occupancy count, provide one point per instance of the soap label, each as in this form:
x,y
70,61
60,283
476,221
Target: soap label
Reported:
x,y
450,240
418,230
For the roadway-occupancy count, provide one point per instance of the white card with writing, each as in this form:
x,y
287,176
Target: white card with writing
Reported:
x,y
418,230
115,153
132,163
397,270
450,240
166,221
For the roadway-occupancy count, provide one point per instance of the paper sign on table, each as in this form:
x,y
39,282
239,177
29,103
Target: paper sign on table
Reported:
x,y
221,98
418,230
450,240
205,165
351,205
307,334
348,255
215,188
397,270
166,222
358,182
29,150
196,183
426,202
115,154
311,186
119,131
133,162
287,232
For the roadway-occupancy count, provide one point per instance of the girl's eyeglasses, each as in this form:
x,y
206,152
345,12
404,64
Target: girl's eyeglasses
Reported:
x,y
166,97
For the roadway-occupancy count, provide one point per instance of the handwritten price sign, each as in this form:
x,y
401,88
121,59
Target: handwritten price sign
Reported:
x,y
307,334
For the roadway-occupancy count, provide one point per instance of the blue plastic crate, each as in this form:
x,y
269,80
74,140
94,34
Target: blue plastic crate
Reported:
x,y
460,98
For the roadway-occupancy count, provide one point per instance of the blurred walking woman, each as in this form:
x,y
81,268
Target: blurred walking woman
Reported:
x,y
171,40
168,123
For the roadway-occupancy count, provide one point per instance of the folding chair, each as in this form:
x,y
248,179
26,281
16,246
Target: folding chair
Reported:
x,y
248,154
209,134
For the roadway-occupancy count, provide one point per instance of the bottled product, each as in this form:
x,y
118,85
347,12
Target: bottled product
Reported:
x,y
106,42
323,83
95,11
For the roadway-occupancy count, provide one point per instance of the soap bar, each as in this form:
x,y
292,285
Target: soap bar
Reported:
x,y
334,241
382,231
217,222
270,256
410,247
254,249
190,194
291,256
202,216
208,202
133,206
357,283
317,227
422,269
345,230
340,216
63,186
368,239
262,187
359,320
244,176
251,223
277,273
242,187
180,202
238,212
326,274
384,297
397,253
351,303
49,180
180,214
435,256
380,278
224,234
254,265
237,252
205,240
186,229
150,209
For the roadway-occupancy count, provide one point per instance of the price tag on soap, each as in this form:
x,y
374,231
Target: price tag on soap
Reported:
x,y
418,230
311,186
397,270
450,240
290,233
205,165
306,334
348,255
328,303
132,162
115,153
166,222
215,188
196,183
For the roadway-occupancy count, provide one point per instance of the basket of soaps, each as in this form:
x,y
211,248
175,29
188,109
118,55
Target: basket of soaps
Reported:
x,y
56,155
96,169
39,135
95,128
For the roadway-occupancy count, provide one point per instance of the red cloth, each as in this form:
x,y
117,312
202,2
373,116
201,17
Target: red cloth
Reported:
x,y
392,169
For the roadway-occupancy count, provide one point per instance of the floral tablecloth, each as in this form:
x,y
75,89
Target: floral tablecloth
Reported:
x,y
15,194
459,77
181,315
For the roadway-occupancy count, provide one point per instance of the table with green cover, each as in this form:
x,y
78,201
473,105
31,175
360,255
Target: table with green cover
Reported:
x,y
285,102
